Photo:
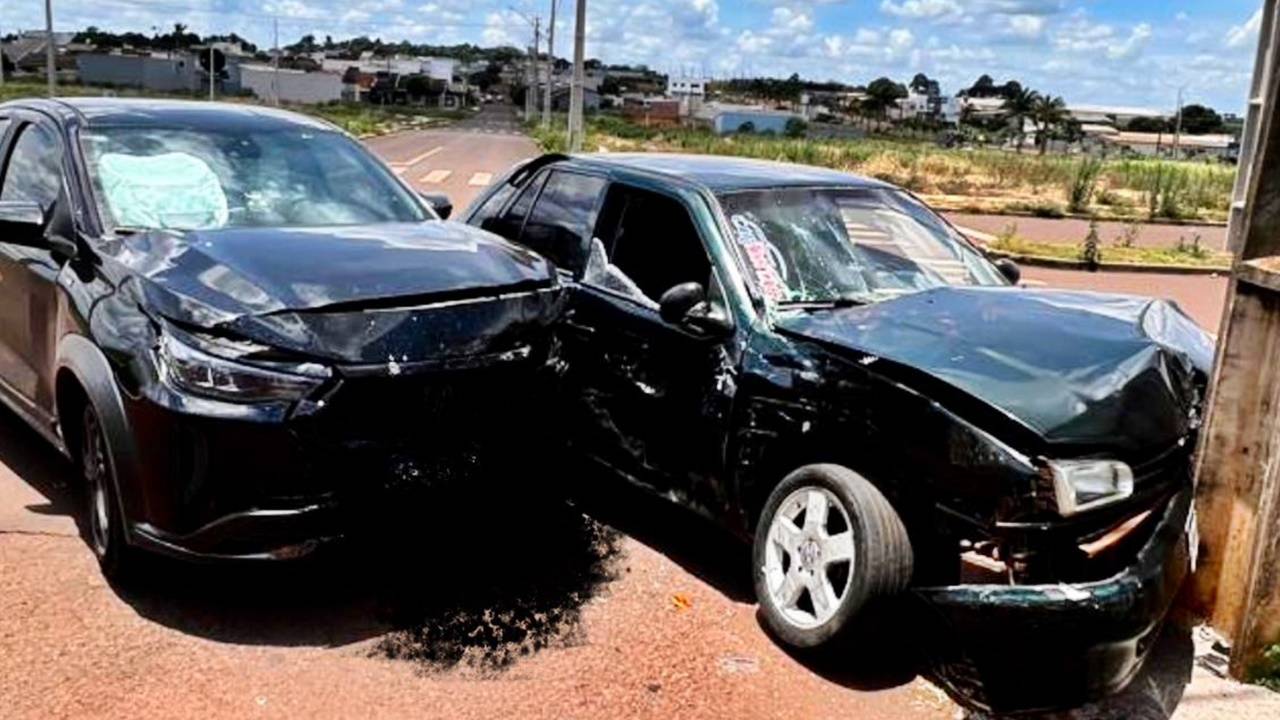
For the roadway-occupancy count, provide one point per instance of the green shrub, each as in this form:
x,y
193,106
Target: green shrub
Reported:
x,y
1082,184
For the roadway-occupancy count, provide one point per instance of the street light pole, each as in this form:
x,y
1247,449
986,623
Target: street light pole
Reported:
x,y
579,78
51,50
551,66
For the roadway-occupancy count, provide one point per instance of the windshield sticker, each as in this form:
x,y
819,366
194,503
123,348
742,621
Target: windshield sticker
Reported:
x,y
173,190
760,255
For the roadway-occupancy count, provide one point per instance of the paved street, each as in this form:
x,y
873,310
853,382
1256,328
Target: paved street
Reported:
x,y
628,610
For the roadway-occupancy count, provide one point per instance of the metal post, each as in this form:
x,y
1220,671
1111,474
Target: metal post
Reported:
x,y
275,63
579,78
51,50
1177,132
551,67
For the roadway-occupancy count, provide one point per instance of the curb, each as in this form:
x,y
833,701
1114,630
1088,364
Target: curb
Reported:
x,y
1061,264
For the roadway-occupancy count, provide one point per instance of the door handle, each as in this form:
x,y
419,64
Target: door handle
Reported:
x,y
579,327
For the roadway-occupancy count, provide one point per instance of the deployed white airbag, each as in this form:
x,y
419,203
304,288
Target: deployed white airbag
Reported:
x,y
174,191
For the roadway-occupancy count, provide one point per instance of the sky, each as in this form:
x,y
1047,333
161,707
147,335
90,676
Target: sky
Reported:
x,y
1115,52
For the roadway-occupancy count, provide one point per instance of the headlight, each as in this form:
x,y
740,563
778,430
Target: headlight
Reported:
x,y
1081,485
186,368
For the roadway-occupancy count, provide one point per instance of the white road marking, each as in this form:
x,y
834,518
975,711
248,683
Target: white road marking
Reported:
x,y
481,179
435,177
405,164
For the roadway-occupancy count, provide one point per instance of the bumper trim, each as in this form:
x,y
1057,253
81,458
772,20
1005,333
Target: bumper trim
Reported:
x,y
1050,646
262,534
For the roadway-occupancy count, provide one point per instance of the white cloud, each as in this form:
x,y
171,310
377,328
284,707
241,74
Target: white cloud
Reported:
x,y
1132,45
901,39
1240,35
921,8
1026,26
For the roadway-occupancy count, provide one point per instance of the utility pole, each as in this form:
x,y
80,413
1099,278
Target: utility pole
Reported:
x,y
275,62
1,64
212,70
579,78
551,66
51,49
537,50
1177,133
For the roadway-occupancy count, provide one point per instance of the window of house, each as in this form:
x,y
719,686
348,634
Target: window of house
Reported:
x,y
651,240
561,222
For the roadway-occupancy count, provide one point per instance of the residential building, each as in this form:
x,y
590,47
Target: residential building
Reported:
x,y
561,96
433,67
158,73
1115,116
652,112
28,51
687,87
1218,147
726,119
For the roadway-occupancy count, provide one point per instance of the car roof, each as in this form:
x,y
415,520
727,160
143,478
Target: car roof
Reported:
x,y
725,174
145,112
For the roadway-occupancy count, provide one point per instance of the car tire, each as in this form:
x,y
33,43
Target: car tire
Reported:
x,y
827,543
104,523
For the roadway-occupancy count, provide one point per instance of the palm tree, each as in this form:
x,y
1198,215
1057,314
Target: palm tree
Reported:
x,y
1048,112
1017,108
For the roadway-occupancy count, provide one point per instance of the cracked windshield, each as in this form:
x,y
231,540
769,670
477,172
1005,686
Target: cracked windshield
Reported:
x,y
816,246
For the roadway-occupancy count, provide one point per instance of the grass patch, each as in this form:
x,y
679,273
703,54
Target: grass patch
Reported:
x,y
1187,253
356,118
1267,673
1002,181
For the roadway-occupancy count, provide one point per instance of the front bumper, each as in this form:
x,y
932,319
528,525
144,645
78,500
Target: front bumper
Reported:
x,y
1009,648
278,488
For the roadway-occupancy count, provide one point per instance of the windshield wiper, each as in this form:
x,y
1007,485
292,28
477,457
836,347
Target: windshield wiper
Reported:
x,y
844,301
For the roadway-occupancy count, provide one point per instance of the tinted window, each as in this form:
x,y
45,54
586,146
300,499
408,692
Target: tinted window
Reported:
x,y
34,173
561,223
491,207
509,224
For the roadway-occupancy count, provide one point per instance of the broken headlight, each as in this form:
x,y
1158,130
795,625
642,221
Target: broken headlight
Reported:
x,y
1080,485
185,368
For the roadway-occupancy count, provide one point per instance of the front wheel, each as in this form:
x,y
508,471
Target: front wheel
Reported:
x,y
827,542
105,524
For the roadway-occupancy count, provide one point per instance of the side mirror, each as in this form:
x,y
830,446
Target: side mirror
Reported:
x,y
1009,269
23,223
440,203
676,304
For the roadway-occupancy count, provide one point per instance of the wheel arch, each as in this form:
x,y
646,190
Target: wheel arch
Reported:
x,y
83,375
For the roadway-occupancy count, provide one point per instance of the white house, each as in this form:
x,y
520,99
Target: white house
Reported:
x,y
434,67
687,87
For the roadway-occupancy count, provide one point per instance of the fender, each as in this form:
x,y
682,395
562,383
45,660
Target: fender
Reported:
x,y
78,355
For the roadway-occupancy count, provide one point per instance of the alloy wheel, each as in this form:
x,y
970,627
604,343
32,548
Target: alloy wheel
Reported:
x,y
809,557
96,476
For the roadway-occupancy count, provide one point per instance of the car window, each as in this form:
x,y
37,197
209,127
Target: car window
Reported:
x,y
562,219
509,224
649,239
490,208
34,171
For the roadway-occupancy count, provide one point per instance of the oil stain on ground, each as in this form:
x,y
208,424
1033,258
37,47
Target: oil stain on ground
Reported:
x,y
494,582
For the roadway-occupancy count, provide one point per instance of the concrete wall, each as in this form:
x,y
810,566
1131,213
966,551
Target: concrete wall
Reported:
x,y
178,74
730,122
294,86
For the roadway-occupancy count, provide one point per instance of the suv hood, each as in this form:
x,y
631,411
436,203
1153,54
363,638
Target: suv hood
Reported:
x,y
1092,371
357,294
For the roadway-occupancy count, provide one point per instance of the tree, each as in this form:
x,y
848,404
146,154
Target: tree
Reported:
x,y
796,128
1200,120
6,65
1048,113
1149,125
984,87
920,84
882,94
1017,109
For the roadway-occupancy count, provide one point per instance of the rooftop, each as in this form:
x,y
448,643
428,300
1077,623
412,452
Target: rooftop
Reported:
x,y
198,115
721,174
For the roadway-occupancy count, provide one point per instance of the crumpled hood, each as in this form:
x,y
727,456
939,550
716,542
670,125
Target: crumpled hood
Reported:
x,y
385,294
1093,371
210,277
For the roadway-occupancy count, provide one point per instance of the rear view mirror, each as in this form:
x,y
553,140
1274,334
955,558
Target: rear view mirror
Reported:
x,y
440,203
22,223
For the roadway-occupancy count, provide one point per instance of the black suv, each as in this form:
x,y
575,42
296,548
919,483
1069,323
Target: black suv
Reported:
x,y
244,328
823,364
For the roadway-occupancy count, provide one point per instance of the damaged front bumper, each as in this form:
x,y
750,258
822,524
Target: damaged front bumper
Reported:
x,y
1021,648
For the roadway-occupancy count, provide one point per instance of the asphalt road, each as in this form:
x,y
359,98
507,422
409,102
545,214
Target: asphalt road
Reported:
x,y
619,606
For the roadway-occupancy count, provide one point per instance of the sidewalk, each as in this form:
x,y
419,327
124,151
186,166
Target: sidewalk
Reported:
x,y
1074,230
